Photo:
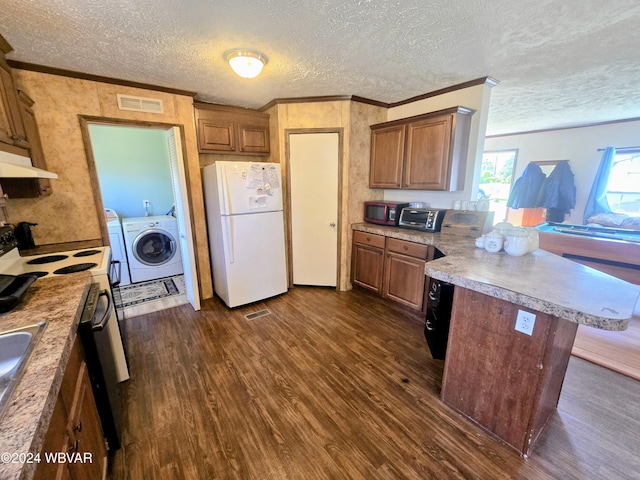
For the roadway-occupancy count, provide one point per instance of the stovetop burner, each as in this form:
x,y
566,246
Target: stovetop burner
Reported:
x,y
47,259
36,274
86,253
78,267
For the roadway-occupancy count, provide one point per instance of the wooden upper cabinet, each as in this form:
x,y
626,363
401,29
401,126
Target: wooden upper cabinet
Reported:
x,y
387,154
12,130
215,136
253,138
425,152
428,143
231,130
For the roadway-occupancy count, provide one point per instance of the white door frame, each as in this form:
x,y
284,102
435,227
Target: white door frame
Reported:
x,y
287,197
85,121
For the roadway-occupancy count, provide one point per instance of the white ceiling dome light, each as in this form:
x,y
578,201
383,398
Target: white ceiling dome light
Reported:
x,y
246,63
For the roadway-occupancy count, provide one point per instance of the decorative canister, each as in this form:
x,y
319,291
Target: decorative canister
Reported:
x,y
493,241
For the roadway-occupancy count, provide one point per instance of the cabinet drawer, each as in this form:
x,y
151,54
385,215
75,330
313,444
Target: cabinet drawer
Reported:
x,y
411,249
369,239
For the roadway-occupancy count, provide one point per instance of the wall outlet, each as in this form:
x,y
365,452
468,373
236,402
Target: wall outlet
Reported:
x,y
525,322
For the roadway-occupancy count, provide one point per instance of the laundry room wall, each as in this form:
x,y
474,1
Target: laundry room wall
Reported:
x,y
133,166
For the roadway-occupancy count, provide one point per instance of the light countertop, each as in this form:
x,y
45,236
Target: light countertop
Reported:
x,y
539,281
59,301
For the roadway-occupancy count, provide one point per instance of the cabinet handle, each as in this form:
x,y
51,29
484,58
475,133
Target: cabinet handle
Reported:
x,y
78,427
74,447
332,224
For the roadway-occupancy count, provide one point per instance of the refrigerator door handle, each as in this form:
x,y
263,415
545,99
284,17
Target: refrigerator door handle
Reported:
x,y
227,239
224,190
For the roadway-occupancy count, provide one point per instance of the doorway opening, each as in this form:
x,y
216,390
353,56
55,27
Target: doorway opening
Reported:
x,y
137,171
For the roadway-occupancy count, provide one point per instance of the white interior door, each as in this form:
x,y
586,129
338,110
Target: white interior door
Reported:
x,y
187,249
313,167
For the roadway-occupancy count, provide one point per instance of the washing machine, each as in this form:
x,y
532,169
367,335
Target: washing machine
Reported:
x,y
116,239
152,247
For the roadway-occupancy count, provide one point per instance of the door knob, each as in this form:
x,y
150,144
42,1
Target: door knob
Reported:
x,y
332,224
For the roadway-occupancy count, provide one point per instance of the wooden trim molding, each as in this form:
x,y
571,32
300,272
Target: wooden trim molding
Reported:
x,y
96,78
327,98
354,98
492,82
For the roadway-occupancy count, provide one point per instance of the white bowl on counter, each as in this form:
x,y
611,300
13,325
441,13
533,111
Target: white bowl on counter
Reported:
x,y
517,241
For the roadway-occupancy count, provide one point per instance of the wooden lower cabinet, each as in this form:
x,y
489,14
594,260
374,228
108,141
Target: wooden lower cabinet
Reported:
x,y
391,267
367,261
75,434
404,279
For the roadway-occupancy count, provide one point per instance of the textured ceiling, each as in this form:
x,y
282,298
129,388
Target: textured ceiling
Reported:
x,y
559,63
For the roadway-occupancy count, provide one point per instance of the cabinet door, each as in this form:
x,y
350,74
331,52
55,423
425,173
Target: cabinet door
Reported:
x,y
11,126
43,185
56,441
253,138
366,267
387,152
428,160
215,136
29,187
84,426
404,280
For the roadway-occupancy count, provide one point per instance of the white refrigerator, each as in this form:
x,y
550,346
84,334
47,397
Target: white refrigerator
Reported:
x,y
243,202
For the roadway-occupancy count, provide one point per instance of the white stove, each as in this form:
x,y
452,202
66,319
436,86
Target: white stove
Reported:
x,y
97,261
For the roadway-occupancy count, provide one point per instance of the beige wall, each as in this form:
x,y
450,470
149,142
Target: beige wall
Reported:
x,y
362,117
70,213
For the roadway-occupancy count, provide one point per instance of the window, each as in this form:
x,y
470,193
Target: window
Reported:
x,y
496,176
623,189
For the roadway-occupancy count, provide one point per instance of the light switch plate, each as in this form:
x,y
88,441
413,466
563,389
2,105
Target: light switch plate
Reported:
x,y
525,322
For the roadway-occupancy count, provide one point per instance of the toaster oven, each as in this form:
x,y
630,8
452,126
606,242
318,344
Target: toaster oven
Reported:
x,y
425,219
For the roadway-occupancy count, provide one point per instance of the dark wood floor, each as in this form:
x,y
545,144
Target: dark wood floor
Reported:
x,y
339,386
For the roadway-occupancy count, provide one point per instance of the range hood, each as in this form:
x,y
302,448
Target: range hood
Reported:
x,y
17,166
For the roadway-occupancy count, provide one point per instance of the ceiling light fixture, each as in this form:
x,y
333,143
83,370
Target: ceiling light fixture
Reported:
x,y
246,63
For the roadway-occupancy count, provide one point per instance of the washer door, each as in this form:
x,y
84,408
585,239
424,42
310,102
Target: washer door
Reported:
x,y
154,247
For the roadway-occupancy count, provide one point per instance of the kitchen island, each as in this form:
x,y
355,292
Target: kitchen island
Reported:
x,y
505,380
58,301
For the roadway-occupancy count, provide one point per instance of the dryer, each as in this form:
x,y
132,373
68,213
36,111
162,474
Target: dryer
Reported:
x,y
152,247
116,240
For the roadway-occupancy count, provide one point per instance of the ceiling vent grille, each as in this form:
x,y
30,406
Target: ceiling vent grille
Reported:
x,y
140,104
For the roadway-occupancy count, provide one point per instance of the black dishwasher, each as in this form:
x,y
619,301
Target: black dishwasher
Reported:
x,y
436,327
100,364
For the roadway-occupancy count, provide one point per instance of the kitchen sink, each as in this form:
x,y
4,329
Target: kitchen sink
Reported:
x,y
15,349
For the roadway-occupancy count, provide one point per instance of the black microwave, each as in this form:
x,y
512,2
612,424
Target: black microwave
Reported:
x,y
383,213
